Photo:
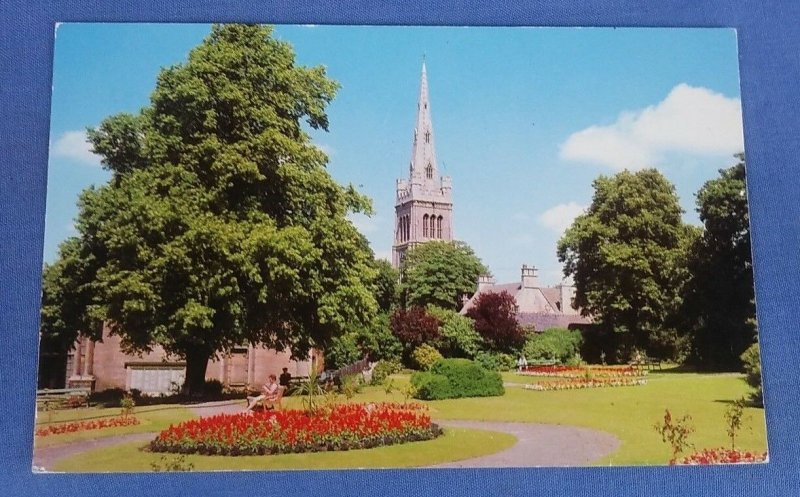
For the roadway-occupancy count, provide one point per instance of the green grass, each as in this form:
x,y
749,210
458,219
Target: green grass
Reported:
x,y
456,444
629,413
152,419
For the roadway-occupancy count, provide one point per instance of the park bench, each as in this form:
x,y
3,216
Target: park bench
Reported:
x,y
271,404
543,362
652,363
62,397
648,363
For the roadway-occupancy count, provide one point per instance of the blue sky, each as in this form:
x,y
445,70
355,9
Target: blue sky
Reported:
x,y
524,118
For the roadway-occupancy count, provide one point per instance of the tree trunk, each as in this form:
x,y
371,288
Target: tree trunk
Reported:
x,y
196,364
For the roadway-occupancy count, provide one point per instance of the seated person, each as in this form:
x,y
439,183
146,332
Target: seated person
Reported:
x,y
269,392
285,378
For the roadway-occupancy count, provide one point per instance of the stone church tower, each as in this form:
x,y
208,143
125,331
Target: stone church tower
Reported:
x,y
424,202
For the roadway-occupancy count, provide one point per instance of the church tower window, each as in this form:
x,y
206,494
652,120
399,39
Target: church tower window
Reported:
x,y
433,226
427,137
429,171
425,226
439,227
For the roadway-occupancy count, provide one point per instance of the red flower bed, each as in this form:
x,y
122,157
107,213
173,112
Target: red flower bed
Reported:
x,y
722,456
93,424
344,427
578,372
577,383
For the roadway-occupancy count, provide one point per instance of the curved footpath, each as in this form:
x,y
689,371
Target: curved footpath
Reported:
x,y
537,444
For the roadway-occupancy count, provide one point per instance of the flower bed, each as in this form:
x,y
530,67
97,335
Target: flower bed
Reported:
x,y
580,372
343,427
722,456
577,383
94,424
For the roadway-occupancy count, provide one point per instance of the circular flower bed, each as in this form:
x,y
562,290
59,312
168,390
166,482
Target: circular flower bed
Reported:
x,y
722,456
94,424
579,372
577,383
342,427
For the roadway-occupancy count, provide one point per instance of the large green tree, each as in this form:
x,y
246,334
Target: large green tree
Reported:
x,y
439,273
220,224
385,285
719,301
626,253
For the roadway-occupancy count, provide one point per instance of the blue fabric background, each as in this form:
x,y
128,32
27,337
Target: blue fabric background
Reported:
x,y
769,50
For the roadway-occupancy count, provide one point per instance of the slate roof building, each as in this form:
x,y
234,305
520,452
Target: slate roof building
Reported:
x,y
541,307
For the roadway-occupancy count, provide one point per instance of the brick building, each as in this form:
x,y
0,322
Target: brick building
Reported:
x,y
101,365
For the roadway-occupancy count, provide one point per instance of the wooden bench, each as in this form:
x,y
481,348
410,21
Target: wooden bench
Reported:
x,y
648,363
62,397
652,363
266,403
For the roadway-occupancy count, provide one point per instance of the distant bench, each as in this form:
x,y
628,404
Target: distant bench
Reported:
x,y
62,397
648,363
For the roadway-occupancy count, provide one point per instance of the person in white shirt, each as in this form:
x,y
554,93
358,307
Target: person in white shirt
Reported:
x,y
269,392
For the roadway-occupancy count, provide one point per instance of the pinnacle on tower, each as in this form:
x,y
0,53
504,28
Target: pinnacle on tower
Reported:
x,y
423,152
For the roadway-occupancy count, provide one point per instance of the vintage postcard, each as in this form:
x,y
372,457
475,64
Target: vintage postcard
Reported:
x,y
331,247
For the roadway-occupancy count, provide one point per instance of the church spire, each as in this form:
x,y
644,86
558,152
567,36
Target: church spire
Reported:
x,y
423,153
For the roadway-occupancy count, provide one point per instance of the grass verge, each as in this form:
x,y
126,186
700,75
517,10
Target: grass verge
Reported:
x,y
456,444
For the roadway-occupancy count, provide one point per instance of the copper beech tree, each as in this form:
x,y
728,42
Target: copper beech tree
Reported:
x,y
495,316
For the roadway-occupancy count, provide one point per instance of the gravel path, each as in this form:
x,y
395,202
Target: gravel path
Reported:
x,y
537,444
45,457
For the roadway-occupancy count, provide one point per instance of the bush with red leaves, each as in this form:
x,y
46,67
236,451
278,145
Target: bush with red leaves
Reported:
x,y
495,316
414,327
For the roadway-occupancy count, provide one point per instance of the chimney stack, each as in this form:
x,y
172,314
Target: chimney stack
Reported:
x,y
529,278
485,281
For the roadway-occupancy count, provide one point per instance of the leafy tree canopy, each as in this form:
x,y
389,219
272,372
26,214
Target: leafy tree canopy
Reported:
x,y
626,253
439,273
719,301
221,224
386,285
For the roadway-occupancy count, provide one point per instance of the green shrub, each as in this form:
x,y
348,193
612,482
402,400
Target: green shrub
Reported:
x,y
496,361
459,338
350,385
383,369
127,404
751,360
455,378
424,356
429,386
555,344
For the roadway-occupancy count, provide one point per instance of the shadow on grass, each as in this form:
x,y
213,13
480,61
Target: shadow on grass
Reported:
x,y
748,402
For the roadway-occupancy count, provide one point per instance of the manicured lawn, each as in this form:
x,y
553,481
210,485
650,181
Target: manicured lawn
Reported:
x,y
152,419
454,445
627,412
